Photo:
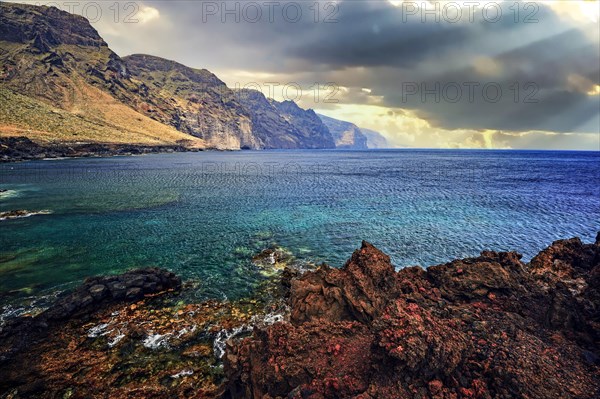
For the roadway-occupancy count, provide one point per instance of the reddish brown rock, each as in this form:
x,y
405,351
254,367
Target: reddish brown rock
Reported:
x,y
470,279
569,272
318,357
357,291
565,260
486,327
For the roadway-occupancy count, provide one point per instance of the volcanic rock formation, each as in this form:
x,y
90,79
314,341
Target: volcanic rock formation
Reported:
x,y
487,327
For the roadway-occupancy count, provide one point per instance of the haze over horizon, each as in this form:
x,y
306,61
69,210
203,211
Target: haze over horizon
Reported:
x,y
497,75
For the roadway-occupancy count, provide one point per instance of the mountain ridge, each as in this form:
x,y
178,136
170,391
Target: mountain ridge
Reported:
x,y
58,62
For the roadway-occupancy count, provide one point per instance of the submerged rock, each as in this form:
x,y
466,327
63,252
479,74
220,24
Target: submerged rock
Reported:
x,y
486,327
99,292
95,294
271,261
21,214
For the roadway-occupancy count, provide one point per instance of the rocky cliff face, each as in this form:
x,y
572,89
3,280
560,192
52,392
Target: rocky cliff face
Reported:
x,y
375,139
279,126
487,327
346,135
268,125
312,132
59,58
65,85
57,62
45,49
193,101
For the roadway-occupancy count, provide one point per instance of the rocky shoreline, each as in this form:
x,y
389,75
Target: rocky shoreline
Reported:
x,y
15,149
485,327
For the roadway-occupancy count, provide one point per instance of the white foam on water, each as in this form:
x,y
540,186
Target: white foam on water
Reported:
x,y
32,306
185,330
9,194
8,312
220,342
183,373
116,339
156,341
268,319
98,331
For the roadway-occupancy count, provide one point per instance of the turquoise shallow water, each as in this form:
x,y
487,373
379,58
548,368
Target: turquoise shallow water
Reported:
x,y
203,215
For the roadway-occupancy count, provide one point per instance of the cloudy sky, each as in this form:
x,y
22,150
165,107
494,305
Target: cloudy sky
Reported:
x,y
474,74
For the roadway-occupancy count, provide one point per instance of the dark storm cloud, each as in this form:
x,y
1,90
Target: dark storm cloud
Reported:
x,y
531,90
373,33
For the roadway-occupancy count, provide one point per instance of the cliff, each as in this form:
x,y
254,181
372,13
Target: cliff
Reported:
x,y
61,84
283,126
346,135
375,139
311,130
191,100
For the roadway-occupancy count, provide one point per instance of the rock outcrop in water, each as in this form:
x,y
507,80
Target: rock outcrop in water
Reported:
x,y
487,327
21,213
99,292
95,294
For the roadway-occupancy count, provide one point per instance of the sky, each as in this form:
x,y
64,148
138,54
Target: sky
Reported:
x,y
448,74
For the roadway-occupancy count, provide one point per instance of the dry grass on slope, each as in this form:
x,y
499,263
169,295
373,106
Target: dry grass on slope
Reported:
x,y
94,117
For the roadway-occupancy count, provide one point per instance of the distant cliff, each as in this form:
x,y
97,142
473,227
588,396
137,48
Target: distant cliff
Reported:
x,y
375,139
313,133
284,125
346,135
61,84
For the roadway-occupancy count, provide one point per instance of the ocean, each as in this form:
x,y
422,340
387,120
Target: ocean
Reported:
x,y
205,215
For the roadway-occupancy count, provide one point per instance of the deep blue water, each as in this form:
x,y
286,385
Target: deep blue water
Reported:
x,y
204,215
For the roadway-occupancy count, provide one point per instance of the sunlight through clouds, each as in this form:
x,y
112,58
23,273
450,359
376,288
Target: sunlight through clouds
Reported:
x,y
147,14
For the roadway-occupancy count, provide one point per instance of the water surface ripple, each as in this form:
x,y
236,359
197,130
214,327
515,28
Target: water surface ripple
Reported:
x,y
203,215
